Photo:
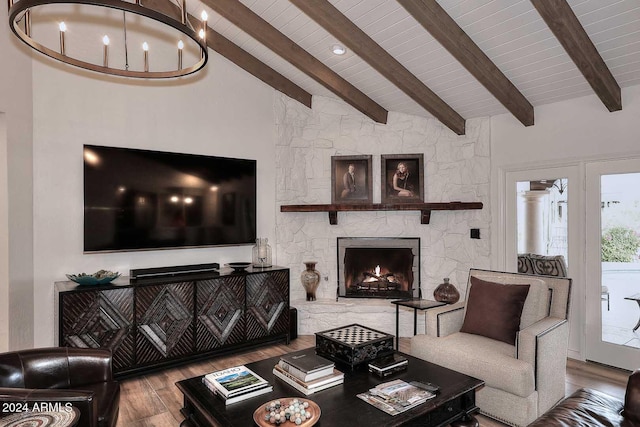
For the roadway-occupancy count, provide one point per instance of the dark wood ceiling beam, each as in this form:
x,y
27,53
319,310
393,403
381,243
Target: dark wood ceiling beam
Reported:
x,y
332,20
245,19
252,65
237,55
576,42
453,38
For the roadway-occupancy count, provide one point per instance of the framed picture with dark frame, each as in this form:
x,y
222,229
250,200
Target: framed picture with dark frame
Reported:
x,y
351,179
402,178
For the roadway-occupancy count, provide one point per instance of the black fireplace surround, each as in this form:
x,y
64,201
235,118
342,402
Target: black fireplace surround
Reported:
x,y
378,267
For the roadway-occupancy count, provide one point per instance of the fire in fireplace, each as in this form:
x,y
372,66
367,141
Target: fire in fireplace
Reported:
x,y
375,267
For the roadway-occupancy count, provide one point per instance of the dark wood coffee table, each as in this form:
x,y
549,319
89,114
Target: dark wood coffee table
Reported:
x,y
339,404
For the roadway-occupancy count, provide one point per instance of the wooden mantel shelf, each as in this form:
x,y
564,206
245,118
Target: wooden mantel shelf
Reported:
x,y
424,208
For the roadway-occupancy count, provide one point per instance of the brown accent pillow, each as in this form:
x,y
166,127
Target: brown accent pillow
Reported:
x,y
494,310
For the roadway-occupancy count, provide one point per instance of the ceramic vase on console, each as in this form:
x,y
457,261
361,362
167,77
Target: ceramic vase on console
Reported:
x,y
446,292
310,279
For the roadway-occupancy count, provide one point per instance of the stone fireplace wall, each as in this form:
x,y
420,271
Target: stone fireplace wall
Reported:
x,y
457,168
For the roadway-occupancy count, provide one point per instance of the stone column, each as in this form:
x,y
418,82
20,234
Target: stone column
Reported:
x,y
534,238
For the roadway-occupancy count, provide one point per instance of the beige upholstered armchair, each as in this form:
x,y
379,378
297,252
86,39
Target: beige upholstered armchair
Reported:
x,y
521,356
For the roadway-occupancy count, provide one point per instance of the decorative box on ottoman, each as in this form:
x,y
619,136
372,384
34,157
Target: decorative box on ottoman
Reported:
x,y
353,344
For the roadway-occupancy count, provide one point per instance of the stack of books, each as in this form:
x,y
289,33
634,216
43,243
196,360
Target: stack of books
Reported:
x,y
307,372
387,365
236,384
397,396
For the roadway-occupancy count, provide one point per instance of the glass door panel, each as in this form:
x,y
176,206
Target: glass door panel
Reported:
x,y
542,213
540,217
613,263
620,225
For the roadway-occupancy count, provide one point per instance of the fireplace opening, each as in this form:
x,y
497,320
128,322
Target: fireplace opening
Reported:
x,y
378,267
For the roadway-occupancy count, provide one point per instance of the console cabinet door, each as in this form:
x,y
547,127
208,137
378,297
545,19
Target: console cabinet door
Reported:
x,y
94,319
267,304
220,312
164,322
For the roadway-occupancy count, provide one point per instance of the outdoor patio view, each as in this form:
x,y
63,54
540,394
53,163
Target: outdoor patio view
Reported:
x,y
620,221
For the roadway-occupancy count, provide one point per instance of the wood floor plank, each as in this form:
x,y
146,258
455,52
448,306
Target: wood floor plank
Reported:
x,y
154,400
160,420
138,400
173,401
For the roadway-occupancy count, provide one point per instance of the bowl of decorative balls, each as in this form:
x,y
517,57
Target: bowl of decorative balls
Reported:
x,y
287,411
100,277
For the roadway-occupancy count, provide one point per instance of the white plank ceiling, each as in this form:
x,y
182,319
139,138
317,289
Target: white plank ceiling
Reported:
x,y
510,32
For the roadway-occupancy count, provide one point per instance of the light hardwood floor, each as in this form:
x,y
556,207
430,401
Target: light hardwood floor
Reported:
x,y
154,400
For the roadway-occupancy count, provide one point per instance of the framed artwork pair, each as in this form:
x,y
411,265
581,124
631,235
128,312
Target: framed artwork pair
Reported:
x,y
402,179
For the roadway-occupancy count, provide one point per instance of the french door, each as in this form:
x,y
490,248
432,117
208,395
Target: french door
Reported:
x,y
613,263
542,216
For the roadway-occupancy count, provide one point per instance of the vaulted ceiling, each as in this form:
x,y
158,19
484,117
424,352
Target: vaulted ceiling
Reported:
x,y
449,59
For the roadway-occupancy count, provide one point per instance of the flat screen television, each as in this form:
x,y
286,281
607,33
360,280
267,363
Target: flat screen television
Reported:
x,y
144,200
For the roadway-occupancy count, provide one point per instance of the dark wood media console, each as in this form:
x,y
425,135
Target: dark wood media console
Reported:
x,y
164,321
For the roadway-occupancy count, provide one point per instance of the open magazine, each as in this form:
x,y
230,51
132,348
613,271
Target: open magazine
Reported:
x,y
396,396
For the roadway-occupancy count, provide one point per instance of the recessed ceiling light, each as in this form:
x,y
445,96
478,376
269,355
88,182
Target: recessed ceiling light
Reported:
x,y
338,49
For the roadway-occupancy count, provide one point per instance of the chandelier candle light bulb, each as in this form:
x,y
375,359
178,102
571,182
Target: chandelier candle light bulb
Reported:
x,y
145,48
204,17
105,56
180,47
63,29
27,22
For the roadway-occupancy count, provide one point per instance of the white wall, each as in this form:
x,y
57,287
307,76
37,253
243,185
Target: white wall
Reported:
x,y
222,111
456,168
16,201
4,237
580,129
567,133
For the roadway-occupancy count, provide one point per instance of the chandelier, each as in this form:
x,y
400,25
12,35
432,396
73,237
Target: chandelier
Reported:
x,y
115,37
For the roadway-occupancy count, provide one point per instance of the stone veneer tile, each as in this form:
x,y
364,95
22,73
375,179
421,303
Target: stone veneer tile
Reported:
x,y
456,168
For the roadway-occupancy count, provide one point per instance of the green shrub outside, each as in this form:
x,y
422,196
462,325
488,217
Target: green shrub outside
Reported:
x,y
620,244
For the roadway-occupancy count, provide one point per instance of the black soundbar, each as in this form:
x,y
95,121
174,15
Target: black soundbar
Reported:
x,y
147,273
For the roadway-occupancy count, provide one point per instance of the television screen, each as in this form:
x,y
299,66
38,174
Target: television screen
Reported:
x,y
139,199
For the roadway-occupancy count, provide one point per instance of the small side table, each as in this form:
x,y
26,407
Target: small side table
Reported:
x,y
635,298
416,304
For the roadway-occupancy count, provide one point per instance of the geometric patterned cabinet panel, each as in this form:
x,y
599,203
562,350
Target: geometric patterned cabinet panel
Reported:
x,y
267,304
99,319
164,322
220,312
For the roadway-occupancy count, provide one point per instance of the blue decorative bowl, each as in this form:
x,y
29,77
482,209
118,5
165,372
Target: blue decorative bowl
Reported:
x,y
101,277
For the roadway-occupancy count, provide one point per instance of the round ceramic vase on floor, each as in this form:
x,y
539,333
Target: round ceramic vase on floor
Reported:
x,y
310,279
446,292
